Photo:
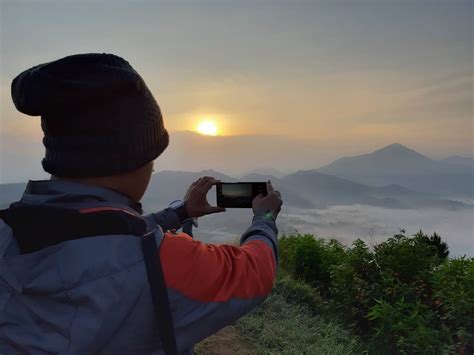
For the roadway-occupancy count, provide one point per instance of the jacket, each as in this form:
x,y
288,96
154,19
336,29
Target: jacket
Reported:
x,y
91,295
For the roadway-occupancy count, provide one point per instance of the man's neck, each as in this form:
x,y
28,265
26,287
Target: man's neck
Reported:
x,y
106,182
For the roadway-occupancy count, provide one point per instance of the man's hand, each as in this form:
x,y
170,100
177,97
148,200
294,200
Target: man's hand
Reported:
x,y
196,200
271,203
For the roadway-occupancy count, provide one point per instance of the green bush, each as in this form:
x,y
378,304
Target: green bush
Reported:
x,y
408,258
352,286
280,327
309,259
405,327
404,295
453,299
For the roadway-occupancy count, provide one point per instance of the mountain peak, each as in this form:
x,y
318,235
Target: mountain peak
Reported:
x,y
398,150
390,160
395,147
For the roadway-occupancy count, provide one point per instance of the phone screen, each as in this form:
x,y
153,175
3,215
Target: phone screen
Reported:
x,y
239,194
237,190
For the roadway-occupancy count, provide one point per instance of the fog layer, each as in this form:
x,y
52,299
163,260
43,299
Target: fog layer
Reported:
x,y
347,223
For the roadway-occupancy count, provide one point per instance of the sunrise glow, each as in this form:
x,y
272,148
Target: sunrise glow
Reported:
x,y
207,128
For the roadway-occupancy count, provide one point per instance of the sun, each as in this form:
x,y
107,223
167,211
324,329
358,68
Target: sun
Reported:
x,y
208,128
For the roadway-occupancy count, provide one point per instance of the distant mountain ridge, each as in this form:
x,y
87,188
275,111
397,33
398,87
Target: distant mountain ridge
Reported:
x,y
458,160
392,177
303,189
397,164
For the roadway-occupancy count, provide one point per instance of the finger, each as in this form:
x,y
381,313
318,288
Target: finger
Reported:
x,y
258,197
200,182
204,180
197,182
278,193
270,187
209,183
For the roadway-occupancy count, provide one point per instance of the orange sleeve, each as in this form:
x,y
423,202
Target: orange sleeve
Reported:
x,y
217,273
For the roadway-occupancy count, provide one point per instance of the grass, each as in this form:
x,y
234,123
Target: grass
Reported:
x,y
288,323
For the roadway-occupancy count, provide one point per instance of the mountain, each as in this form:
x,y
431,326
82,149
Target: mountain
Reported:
x,y
303,189
324,190
397,164
391,159
460,161
267,171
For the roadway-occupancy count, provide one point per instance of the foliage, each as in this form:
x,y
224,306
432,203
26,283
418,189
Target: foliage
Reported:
x,y
401,296
282,325
298,293
435,241
310,259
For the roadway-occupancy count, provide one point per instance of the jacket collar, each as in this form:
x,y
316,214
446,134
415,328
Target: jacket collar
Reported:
x,y
73,194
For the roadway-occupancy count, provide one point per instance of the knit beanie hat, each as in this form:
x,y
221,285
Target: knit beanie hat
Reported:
x,y
98,116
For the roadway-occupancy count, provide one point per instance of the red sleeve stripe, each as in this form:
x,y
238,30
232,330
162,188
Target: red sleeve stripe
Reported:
x,y
217,273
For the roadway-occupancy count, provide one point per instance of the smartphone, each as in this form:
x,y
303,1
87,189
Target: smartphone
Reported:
x,y
239,194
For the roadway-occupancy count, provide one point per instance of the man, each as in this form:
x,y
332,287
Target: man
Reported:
x,y
74,273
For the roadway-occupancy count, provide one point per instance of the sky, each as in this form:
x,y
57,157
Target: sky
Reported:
x,y
332,78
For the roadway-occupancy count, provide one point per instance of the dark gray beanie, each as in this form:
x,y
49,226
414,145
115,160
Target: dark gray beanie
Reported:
x,y
98,116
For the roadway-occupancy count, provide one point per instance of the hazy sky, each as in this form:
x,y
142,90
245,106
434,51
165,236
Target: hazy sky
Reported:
x,y
343,76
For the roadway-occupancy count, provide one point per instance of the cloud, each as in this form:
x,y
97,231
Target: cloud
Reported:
x,y
373,224
347,223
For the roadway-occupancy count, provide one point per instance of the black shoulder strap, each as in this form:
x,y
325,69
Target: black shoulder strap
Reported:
x,y
36,227
159,294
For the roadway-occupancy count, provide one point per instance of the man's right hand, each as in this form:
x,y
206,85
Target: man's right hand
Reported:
x,y
196,200
271,203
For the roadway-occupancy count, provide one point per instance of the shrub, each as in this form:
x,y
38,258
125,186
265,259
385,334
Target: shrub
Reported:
x,y
311,260
453,300
402,296
352,287
405,327
435,241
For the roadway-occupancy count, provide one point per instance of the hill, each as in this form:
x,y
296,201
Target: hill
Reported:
x,y
303,189
397,164
311,188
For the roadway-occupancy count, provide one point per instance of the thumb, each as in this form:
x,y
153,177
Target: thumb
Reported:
x,y
258,197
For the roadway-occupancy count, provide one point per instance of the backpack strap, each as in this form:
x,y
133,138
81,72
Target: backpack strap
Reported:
x,y
36,227
5,236
159,293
